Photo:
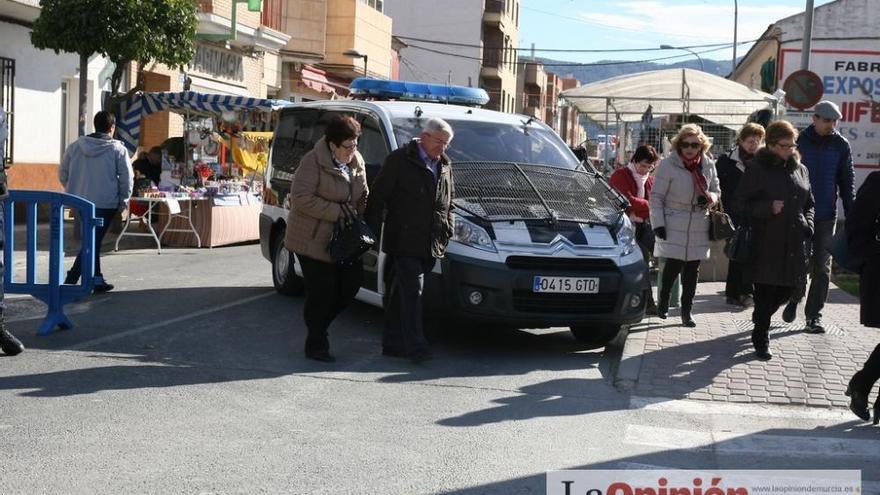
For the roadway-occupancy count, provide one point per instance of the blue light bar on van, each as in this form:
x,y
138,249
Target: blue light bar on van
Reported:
x,y
416,91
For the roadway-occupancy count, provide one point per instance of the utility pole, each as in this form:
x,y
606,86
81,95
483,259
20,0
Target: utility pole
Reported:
x,y
808,36
735,16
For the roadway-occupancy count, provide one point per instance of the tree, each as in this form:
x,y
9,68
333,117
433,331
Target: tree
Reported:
x,y
124,31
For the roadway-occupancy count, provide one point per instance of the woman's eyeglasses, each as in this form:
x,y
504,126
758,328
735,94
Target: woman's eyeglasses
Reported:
x,y
696,145
349,146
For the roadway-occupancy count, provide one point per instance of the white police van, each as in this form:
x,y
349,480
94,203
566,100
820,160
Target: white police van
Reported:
x,y
538,242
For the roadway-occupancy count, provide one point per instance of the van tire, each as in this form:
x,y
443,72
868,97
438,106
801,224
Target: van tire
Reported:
x,y
597,335
284,277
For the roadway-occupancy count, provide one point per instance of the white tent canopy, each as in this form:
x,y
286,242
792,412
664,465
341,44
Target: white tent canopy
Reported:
x,y
670,91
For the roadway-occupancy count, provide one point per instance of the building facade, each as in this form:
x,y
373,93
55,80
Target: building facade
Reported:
x,y
474,46
39,79
315,65
845,54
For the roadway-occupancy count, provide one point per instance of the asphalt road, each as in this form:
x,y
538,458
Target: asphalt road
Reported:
x,y
190,378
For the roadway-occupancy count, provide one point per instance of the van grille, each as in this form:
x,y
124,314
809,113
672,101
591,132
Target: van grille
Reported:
x,y
538,263
581,304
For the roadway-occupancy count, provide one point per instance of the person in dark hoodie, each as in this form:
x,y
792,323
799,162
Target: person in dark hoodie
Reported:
x,y
731,167
414,189
97,167
828,158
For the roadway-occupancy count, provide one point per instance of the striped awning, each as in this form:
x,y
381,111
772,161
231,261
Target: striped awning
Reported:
x,y
128,126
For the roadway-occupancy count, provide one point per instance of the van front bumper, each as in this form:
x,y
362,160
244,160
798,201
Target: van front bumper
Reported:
x,y
506,295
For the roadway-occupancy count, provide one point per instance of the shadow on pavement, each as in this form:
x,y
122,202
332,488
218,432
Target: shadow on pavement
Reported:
x,y
174,337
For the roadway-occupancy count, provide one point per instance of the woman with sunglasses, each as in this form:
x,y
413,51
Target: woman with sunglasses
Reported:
x,y
329,185
635,182
774,198
685,186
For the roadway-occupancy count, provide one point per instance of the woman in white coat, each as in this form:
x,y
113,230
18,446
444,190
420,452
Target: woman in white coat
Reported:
x,y
685,187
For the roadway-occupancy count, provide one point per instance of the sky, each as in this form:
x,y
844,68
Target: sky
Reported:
x,y
633,24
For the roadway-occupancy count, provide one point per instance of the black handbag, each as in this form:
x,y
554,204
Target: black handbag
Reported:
x,y
720,225
352,237
740,247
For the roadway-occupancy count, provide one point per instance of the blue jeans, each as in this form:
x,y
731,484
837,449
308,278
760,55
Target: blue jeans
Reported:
x,y
107,214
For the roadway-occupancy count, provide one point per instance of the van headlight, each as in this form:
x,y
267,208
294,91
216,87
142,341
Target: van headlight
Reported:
x,y
626,235
471,234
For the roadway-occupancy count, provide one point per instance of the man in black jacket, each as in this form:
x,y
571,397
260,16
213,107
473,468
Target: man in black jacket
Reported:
x,y
414,189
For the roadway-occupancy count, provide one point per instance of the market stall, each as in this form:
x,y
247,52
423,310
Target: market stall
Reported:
x,y
210,192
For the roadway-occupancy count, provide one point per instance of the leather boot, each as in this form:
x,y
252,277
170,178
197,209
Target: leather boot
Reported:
x,y
858,399
10,345
686,319
761,342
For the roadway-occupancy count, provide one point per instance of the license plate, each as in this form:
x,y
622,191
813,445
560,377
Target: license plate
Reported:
x,y
566,285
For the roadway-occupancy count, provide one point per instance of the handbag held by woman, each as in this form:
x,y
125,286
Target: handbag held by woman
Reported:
x,y
352,237
720,225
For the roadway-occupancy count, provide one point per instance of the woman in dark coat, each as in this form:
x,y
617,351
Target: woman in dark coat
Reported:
x,y
774,197
863,238
731,168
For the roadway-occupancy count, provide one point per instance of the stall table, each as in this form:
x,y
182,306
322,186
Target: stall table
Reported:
x,y
170,209
218,221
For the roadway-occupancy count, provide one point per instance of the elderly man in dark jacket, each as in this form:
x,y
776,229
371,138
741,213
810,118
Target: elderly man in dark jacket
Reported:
x,y
775,196
414,188
828,158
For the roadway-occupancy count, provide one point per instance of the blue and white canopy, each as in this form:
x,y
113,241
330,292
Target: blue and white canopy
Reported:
x,y
128,127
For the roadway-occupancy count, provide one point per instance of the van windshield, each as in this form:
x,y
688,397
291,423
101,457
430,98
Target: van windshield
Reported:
x,y
496,142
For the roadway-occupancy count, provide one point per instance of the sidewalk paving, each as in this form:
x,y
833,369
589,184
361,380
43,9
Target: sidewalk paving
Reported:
x,y
715,361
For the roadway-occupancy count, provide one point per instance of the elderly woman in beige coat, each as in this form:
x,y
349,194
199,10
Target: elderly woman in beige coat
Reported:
x,y
685,186
330,181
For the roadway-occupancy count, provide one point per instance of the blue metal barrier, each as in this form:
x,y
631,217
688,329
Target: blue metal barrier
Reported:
x,y
53,293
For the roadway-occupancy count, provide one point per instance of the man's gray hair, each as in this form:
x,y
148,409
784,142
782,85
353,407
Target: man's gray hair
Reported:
x,y
436,125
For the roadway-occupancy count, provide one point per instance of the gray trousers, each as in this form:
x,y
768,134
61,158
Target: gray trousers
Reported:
x,y
404,330
819,270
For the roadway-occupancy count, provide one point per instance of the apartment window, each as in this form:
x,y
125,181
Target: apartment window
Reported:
x,y
376,4
7,101
271,16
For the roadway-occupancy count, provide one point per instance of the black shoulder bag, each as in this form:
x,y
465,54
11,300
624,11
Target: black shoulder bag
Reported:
x,y
740,247
352,237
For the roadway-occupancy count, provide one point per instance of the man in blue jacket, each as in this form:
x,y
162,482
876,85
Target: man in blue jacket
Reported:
x,y
828,157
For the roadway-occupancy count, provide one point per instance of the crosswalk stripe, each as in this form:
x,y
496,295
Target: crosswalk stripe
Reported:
x,y
726,409
765,445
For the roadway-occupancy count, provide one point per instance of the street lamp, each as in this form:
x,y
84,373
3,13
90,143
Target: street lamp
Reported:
x,y
351,52
670,47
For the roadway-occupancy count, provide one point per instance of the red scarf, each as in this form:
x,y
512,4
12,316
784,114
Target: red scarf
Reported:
x,y
696,170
